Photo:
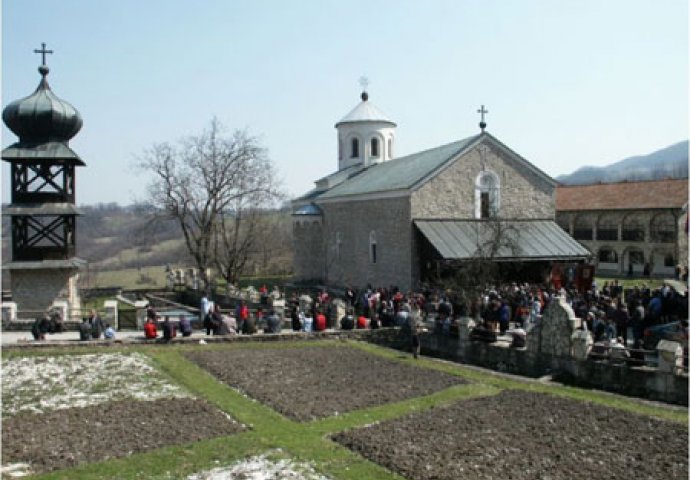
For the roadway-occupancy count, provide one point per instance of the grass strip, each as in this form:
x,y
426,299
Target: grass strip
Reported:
x,y
389,411
203,384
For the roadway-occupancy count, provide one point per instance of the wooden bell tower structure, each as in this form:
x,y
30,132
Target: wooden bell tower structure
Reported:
x,y
44,267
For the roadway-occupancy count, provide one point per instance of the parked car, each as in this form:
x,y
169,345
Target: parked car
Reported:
x,y
675,331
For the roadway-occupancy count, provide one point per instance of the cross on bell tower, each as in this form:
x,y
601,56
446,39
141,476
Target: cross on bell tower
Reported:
x,y
482,123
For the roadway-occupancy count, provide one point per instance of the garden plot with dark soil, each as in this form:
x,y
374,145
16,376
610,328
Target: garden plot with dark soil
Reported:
x,y
63,410
68,437
305,383
523,435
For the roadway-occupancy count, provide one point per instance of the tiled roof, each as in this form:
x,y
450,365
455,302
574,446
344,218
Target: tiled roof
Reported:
x,y
623,195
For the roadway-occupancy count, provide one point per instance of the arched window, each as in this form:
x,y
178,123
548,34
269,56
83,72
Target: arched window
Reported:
x,y
372,247
374,147
607,228
663,228
633,230
636,257
390,148
487,196
608,255
582,228
355,148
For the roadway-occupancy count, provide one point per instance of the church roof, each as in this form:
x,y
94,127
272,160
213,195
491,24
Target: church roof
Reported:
x,y
407,172
399,173
669,193
365,111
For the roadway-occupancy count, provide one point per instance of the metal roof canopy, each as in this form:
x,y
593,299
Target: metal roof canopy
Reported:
x,y
535,239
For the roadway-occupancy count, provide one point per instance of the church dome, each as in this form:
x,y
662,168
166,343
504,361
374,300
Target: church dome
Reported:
x,y
42,116
365,112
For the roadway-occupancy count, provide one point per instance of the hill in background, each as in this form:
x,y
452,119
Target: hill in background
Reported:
x,y
669,162
111,237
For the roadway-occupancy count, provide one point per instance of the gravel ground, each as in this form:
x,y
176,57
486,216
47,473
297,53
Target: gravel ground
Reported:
x,y
521,435
315,382
65,438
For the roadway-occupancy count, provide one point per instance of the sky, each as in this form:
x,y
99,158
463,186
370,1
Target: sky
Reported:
x,y
567,83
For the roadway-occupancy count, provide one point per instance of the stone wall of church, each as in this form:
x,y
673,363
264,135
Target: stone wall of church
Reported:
x,y
307,234
451,193
350,229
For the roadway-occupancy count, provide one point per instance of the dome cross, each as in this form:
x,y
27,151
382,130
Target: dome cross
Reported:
x,y
43,52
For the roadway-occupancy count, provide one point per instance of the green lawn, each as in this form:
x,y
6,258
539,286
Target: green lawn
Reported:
x,y
305,442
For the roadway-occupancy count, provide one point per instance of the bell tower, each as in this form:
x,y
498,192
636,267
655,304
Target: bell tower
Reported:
x,y
365,135
44,267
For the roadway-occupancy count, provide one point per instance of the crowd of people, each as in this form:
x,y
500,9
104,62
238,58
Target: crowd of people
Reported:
x,y
609,313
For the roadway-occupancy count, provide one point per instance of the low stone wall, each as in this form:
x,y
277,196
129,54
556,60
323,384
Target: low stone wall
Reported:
x,y
645,382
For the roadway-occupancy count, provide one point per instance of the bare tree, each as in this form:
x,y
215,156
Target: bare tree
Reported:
x,y
211,184
494,238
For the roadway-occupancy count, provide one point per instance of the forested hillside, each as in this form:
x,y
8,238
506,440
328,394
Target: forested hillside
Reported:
x,y
669,162
111,237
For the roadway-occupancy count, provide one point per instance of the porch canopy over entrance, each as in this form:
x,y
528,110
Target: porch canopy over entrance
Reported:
x,y
501,240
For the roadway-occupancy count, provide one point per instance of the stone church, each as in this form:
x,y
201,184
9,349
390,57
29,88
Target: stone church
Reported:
x,y
390,221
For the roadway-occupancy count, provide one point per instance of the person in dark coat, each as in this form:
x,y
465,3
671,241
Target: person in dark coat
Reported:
x,y
348,321
84,330
185,326
96,325
216,320
249,326
168,330
294,317
40,327
273,323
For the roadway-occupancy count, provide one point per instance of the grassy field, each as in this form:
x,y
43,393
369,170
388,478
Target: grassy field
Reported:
x,y
155,277
305,442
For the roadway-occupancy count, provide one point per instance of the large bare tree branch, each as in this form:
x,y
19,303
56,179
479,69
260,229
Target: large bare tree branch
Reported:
x,y
213,184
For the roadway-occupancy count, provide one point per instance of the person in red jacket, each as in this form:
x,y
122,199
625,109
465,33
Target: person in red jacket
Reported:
x,y
320,322
150,329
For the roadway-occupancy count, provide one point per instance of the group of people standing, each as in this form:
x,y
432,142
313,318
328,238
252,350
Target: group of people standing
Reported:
x,y
92,327
239,321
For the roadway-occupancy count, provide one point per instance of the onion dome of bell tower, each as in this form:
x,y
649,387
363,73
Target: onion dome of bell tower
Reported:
x,y
42,116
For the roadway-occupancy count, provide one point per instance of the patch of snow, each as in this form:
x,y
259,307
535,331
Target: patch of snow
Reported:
x,y
15,470
42,384
261,468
